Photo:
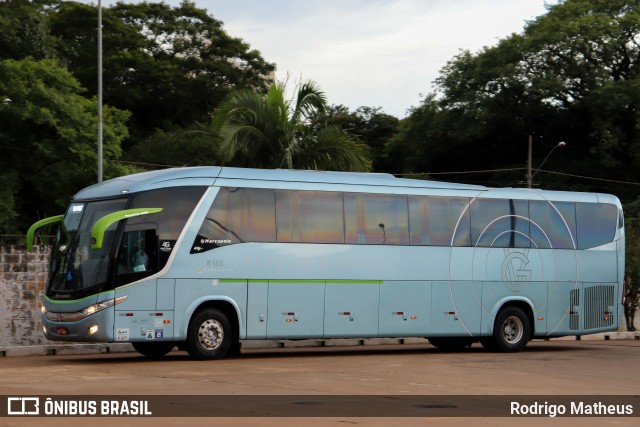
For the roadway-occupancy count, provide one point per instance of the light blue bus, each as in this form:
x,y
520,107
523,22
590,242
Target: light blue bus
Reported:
x,y
201,258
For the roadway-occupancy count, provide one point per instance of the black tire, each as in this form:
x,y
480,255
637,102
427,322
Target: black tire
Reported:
x,y
154,350
210,335
511,330
451,343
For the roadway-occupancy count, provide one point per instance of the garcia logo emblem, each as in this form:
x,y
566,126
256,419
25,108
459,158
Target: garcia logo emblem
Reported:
x,y
514,268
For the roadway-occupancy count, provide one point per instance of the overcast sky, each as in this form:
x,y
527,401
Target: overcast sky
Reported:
x,y
376,53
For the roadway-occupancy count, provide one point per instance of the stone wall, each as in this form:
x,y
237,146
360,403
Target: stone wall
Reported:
x,y
22,282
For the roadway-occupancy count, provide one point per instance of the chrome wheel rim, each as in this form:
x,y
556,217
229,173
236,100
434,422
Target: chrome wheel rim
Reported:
x,y
210,334
512,329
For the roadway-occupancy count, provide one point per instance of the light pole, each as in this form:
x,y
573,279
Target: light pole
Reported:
x,y
99,91
530,175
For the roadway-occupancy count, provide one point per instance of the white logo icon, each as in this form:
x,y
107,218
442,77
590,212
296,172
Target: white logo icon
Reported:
x,y
23,406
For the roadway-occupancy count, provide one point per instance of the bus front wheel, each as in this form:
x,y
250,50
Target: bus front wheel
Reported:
x,y
511,331
209,335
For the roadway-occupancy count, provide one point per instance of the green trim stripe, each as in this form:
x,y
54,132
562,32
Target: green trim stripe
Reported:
x,y
32,230
307,281
100,227
354,282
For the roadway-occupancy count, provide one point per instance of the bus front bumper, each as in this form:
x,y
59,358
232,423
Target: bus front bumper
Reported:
x,y
78,327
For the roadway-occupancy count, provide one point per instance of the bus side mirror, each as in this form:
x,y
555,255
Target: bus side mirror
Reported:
x,y
43,222
100,227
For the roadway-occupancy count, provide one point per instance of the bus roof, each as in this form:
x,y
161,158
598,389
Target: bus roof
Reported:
x,y
207,175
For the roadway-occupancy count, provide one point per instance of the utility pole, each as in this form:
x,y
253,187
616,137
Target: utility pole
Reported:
x,y
529,176
99,91
530,173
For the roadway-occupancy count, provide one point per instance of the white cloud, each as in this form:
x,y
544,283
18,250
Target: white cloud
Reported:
x,y
369,52
374,53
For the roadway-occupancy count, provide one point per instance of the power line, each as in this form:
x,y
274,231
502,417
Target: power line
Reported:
x,y
144,164
458,172
13,148
591,178
519,169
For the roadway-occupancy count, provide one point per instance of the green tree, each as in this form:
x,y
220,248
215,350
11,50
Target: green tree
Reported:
x,y
48,140
571,75
370,125
632,263
265,130
24,31
177,147
169,66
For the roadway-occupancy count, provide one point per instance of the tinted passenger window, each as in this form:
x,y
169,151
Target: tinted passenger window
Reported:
x,y
553,224
238,215
433,220
376,219
596,224
501,223
177,205
309,216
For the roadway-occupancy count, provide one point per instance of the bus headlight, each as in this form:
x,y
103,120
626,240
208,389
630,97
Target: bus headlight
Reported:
x,y
93,309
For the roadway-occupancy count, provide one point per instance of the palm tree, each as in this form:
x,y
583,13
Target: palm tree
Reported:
x,y
265,130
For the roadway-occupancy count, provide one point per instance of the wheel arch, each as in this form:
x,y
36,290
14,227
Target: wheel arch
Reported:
x,y
523,303
224,304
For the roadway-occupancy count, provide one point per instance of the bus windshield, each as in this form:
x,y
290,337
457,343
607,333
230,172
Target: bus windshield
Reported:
x,y
75,267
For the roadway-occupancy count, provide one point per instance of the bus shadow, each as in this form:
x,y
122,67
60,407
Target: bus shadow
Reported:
x,y
314,352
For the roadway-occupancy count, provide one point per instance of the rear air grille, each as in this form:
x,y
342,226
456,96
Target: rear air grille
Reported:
x,y
598,306
574,304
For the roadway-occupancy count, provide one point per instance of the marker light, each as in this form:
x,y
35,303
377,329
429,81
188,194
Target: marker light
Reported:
x,y
93,329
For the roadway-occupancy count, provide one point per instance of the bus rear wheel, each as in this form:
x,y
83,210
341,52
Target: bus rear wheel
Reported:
x,y
153,350
511,331
210,335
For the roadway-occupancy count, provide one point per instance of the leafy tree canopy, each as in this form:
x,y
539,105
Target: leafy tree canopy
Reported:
x,y
369,124
571,75
48,140
169,66
165,69
24,30
266,130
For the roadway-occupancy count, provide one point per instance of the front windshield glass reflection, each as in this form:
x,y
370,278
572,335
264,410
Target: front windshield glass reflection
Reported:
x,y
74,265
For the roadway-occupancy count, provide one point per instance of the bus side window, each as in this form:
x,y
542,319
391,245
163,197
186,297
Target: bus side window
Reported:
x,y
376,219
597,224
138,255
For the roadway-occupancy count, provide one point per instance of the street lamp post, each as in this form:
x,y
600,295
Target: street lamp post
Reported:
x,y
99,91
530,175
